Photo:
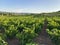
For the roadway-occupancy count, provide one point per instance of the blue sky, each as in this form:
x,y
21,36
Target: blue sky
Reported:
x,y
30,6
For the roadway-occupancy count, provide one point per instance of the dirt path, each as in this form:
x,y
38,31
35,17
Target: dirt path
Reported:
x,y
43,38
13,41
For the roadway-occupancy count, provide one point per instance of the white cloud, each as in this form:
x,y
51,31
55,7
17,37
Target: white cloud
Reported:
x,y
26,10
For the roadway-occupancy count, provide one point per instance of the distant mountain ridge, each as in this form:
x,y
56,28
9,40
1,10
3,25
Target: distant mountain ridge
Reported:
x,y
13,13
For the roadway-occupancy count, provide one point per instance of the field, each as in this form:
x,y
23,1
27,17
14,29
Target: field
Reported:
x,y
29,30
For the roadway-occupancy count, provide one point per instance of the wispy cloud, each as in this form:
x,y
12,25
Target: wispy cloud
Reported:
x,y
21,10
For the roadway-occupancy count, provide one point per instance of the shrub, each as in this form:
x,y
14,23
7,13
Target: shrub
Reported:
x,y
27,36
2,42
11,32
54,35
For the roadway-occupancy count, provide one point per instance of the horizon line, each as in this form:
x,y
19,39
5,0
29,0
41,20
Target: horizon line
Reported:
x,y
30,12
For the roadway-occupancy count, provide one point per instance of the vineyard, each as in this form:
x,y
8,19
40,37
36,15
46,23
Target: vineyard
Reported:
x,y
53,29
26,28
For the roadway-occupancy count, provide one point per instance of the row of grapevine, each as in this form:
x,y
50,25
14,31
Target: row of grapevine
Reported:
x,y
23,28
53,29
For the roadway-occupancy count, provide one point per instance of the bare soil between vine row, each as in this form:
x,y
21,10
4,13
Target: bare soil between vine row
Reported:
x,y
43,37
